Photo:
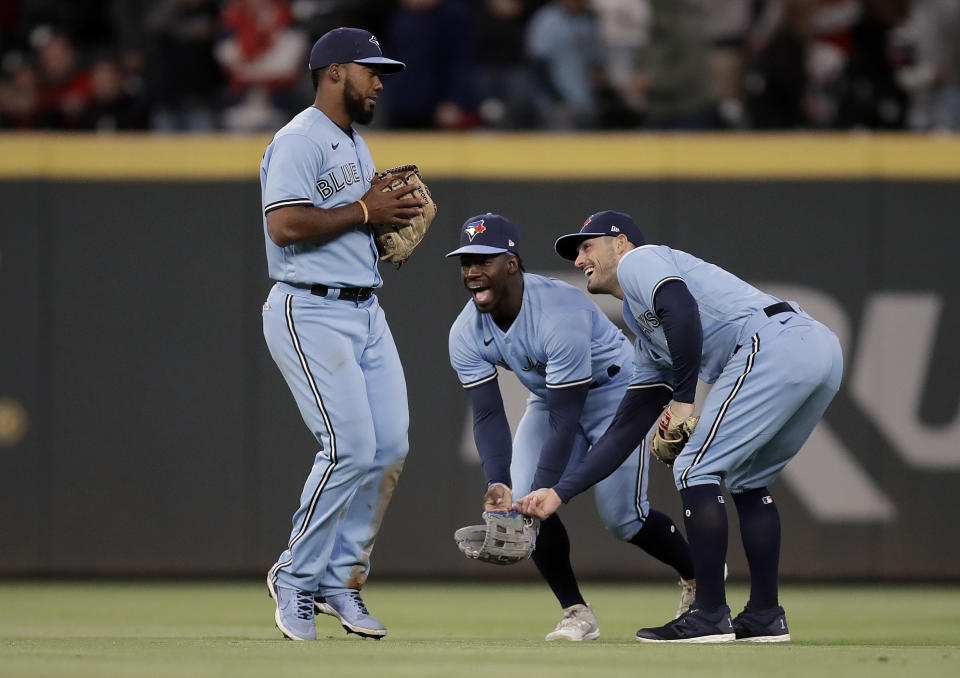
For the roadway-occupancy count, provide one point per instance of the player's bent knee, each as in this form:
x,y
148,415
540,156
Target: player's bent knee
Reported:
x,y
625,531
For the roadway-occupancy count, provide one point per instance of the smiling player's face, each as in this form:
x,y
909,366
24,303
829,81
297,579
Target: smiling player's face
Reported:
x,y
598,261
361,88
485,277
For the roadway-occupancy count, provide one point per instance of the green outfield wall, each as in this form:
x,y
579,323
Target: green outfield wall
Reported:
x,y
145,430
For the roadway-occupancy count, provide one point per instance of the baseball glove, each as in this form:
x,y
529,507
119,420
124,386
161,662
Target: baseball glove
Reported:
x,y
396,243
507,537
671,435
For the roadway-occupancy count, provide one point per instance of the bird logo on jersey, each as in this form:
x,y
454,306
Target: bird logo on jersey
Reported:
x,y
475,228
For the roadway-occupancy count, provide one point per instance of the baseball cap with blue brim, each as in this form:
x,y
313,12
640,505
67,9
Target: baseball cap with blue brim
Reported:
x,y
487,234
351,45
607,222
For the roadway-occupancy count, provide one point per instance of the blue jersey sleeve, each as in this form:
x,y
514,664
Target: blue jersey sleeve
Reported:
x,y
567,343
641,272
293,164
471,367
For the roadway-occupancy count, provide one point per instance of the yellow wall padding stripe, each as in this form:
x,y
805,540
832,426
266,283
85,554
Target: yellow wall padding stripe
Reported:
x,y
481,155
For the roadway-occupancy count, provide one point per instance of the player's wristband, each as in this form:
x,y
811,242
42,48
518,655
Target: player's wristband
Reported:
x,y
366,214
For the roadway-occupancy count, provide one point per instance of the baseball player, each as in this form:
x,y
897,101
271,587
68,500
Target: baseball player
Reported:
x,y
328,335
774,370
577,366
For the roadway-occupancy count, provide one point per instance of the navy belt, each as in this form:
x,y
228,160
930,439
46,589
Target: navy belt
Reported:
x,y
346,293
779,307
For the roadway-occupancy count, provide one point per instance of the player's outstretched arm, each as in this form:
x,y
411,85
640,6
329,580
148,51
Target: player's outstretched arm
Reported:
x,y
637,412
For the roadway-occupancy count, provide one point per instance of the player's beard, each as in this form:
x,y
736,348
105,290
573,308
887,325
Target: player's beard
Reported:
x,y
355,104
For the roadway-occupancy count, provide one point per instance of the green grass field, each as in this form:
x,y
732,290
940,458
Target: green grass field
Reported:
x,y
201,629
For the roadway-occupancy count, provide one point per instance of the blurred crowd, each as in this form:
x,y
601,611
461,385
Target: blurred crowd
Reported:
x,y
240,65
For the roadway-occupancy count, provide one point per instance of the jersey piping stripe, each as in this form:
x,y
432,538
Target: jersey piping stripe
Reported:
x,y
723,409
653,295
484,380
326,422
287,203
637,387
571,384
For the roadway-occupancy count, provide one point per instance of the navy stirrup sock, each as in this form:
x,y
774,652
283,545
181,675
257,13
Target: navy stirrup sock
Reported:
x,y
705,518
552,558
760,531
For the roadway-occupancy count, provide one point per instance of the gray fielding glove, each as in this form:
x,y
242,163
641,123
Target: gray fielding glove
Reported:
x,y
507,538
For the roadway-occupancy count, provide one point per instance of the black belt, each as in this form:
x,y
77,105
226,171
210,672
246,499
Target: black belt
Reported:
x,y
779,307
345,293
772,310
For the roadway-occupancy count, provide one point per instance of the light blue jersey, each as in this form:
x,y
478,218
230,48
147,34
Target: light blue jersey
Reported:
x,y
312,161
546,346
725,303
774,368
560,339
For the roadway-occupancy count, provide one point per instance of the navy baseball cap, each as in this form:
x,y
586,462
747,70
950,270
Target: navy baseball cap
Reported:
x,y
351,45
607,222
487,234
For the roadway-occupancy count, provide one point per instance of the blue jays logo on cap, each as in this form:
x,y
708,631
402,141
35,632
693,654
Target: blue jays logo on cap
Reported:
x,y
487,234
474,228
607,222
351,45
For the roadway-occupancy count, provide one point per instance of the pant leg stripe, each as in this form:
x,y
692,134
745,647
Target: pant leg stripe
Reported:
x,y
326,421
723,409
638,498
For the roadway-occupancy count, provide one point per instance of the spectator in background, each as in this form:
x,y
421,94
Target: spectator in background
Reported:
x,y
437,40
679,93
563,43
870,96
776,83
625,33
111,107
20,98
503,77
64,81
930,71
727,27
182,75
262,54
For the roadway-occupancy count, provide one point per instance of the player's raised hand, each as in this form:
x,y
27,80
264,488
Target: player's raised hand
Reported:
x,y
396,207
498,498
541,503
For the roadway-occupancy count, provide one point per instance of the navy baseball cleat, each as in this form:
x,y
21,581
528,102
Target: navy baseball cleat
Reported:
x,y
295,615
693,626
762,626
348,607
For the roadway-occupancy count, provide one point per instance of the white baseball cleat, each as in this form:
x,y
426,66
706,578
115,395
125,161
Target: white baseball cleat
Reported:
x,y
578,623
